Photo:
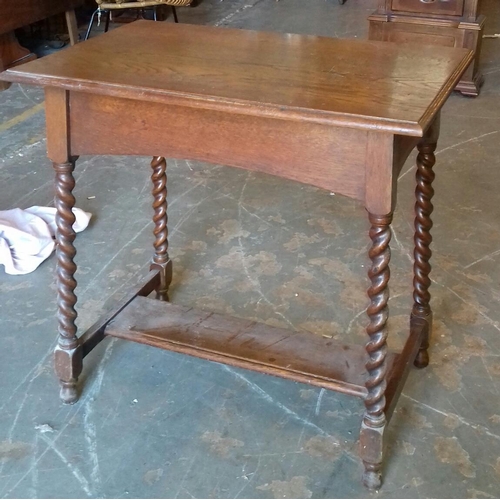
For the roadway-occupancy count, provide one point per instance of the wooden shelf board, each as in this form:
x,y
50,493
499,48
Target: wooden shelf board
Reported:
x,y
300,356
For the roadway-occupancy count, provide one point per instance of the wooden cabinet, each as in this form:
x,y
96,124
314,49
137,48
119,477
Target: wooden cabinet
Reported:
x,y
438,7
17,13
453,23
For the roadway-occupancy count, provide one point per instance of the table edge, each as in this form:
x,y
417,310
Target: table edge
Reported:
x,y
265,110
440,99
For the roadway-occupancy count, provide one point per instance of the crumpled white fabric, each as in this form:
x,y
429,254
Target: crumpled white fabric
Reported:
x,y
27,236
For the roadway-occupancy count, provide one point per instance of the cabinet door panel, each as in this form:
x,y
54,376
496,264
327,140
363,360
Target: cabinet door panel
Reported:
x,y
440,7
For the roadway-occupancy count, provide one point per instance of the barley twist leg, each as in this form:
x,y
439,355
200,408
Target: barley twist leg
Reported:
x,y
161,260
423,224
374,421
68,355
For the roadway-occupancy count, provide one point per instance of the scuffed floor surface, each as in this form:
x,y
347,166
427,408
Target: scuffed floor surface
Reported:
x,y
156,424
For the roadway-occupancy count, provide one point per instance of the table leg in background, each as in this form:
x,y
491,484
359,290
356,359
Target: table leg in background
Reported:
x,y
161,260
423,224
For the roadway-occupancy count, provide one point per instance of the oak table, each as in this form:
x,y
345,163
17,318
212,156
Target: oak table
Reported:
x,y
342,115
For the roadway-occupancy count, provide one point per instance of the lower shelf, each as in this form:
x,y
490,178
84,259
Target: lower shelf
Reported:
x,y
303,357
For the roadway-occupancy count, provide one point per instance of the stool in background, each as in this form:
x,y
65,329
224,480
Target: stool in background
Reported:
x,y
107,6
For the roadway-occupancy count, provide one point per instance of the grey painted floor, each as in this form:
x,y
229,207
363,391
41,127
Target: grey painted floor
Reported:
x,y
155,424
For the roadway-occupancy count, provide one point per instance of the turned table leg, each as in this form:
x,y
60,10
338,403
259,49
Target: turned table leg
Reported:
x,y
161,260
68,353
374,421
423,224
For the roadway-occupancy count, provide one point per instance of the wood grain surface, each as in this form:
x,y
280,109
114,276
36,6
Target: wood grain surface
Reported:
x,y
304,357
327,157
396,88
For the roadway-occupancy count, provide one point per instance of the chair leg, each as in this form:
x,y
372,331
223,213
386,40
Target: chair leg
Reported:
x,y
174,12
92,20
72,26
106,26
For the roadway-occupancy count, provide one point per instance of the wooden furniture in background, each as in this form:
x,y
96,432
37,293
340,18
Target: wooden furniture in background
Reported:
x,y
452,23
18,13
342,115
108,6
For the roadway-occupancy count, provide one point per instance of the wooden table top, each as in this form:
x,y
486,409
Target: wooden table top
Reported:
x,y
396,88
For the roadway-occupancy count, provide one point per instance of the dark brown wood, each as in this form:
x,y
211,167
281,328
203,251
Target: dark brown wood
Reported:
x,y
338,114
397,373
472,80
423,238
161,260
95,334
15,14
469,12
68,355
299,356
72,26
450,23
12,54
374,421
433,7
19,13
403,146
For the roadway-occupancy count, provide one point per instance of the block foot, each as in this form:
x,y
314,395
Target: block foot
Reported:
x,y
372,479
69,393
422,359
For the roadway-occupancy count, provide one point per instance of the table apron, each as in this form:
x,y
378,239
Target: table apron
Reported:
x,y
328,157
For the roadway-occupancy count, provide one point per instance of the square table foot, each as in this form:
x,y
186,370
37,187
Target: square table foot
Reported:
x,y
372,479
68,365
371,445
424,323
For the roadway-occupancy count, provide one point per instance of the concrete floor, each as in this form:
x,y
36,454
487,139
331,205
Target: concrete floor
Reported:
x,y
156,424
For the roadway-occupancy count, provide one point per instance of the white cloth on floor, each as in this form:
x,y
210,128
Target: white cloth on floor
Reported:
x,y
27,236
